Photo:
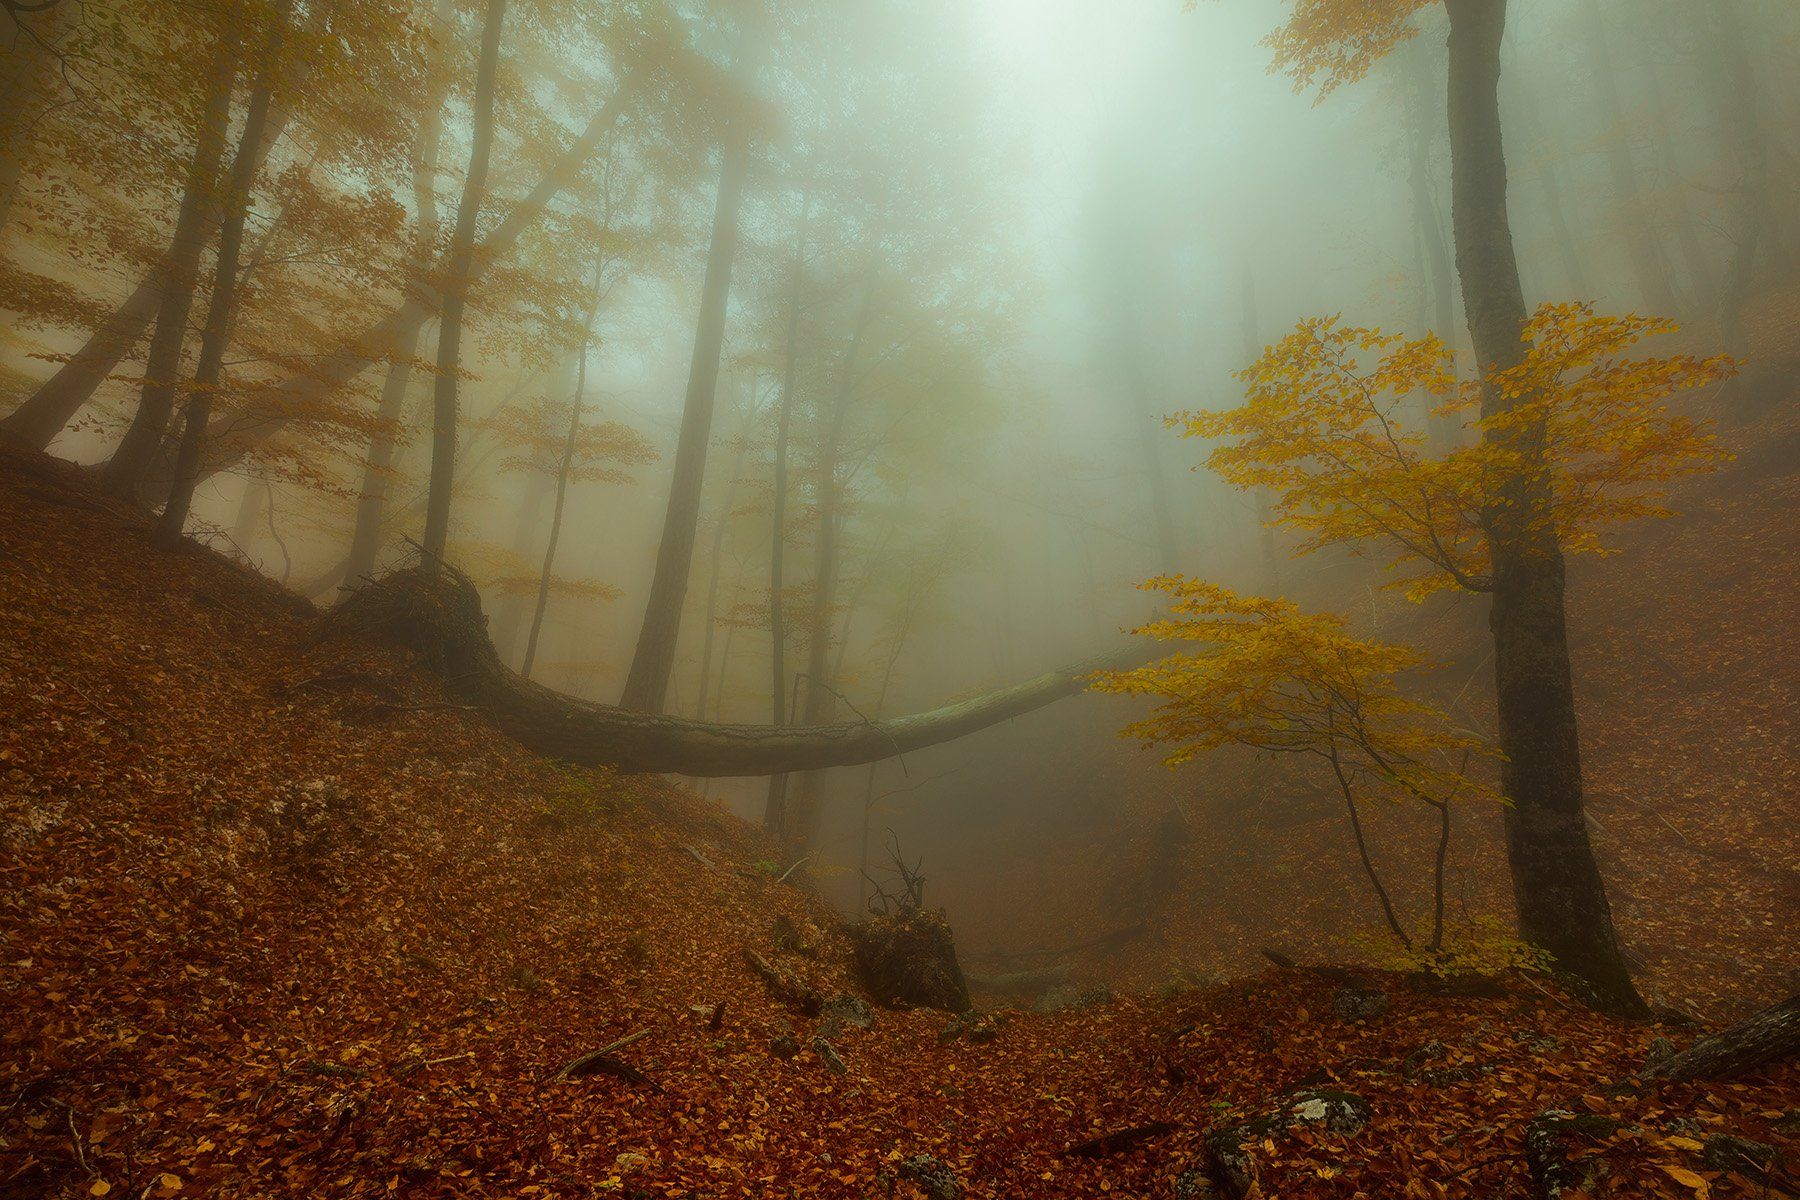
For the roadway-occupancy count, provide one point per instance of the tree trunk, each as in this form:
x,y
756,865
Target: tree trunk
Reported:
x,y
647,683
716,557
1771,1036
221,313
193,230
1561,899
1639,230
440,618
371,497
820,698
775,804
563,467
27,69
456,294
231,440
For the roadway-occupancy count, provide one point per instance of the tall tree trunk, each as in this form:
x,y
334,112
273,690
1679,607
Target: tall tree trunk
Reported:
x,y
1265,512
193,230
1428,216
372,496
1557,888
299,393
221,313
775,804
820,697
456,295
716,556
563,466
1639,230
647,683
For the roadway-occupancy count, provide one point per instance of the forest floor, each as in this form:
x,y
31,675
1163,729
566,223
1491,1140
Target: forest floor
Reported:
x,y
277,921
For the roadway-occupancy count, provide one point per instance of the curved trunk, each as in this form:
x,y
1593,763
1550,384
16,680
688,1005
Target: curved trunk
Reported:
x,y
440,617
1557,888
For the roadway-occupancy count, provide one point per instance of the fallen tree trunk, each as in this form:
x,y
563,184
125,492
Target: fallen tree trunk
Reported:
x,y
440,617
1770,1036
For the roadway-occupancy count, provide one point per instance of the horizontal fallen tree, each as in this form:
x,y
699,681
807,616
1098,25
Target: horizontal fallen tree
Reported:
x,y
438,615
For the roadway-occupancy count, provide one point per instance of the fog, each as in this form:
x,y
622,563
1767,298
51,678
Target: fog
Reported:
x,y
992,244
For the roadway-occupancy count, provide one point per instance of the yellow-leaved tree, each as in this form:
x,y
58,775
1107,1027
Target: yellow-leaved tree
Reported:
x,y
1276,680
1526,515
1579,440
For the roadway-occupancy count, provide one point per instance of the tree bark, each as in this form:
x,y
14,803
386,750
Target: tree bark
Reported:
x,y
232,439
372,496
775,804
440,618
193,230
1770,1036
456,295
647,683
1561,900
221,313
564,465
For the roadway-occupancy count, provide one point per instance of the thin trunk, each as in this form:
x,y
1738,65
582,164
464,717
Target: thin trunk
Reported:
x,y
1639,230
716,557
647,683
1437,877
1557,888
302,393
1428,215
775,804
556,514
1362,852
372,496
221,313
193,230
1265,503
820,697
456,294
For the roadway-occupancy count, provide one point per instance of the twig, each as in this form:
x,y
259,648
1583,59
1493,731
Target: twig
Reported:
x,y
599,1060
1123,1139
784,875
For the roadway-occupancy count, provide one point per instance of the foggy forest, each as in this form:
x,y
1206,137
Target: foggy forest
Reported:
x,y
1190,599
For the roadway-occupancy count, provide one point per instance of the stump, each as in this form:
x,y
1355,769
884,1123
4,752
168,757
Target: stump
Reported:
x,y
908,958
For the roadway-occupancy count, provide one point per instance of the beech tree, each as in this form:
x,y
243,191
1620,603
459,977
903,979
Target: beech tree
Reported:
x,y
1574,438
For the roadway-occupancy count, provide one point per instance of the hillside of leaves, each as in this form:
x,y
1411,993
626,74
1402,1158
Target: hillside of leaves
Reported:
x,y
278,920
1683,645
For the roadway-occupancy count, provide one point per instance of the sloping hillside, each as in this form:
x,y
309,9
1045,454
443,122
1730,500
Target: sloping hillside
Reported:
x,y
278,921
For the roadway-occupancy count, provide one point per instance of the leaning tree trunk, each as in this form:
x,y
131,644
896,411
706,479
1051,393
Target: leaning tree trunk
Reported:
x,y
439,617
775,804
221,313
647,683
230,441
456,295
193,230
1770,1036
1561,900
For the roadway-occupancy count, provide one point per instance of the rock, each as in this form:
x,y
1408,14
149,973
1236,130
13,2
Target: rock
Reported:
x,y
784,1046
1552,1154
1430,1052
978,1027
1342,1113
909,958
844,1011
936,1180
1724,1152
824,1050
1359,1004
1069,998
